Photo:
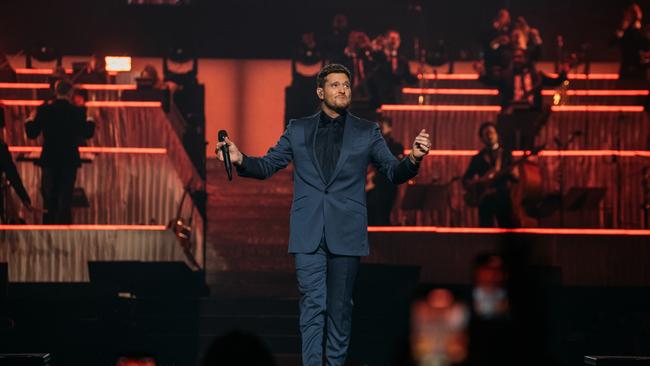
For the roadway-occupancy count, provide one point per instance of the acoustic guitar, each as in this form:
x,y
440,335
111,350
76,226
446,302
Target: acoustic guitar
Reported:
x,y
476,191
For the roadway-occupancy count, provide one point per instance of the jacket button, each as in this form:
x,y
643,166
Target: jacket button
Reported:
x,y
326,191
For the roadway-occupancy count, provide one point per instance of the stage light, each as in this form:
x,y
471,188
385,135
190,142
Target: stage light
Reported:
x,y
118,63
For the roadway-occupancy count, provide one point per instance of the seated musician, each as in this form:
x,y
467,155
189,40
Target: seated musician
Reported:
x,y
487,181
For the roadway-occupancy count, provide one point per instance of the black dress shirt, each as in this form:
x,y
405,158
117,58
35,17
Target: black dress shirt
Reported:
x,y
329,138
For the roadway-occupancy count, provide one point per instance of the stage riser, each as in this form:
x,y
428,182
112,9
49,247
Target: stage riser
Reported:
x,y
121,189
621,206
63,255
459,130
583,260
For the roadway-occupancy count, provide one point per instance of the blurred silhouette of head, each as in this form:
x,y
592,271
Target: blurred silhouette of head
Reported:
x,y
63,89
490,297
393,40
502,20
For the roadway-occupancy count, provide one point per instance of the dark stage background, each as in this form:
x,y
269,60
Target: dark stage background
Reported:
x,y
271,29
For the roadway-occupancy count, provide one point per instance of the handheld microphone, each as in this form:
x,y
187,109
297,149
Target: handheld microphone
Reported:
x,y
226,153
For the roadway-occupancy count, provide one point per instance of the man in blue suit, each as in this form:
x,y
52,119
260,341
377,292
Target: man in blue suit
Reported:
x,y
330,151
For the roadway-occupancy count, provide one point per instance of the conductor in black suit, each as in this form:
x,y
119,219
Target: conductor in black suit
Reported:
x,y
64,127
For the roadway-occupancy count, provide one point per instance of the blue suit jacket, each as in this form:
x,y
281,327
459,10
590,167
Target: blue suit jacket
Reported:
x,y
336,208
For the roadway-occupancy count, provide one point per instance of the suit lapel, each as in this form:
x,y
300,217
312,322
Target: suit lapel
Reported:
x,y
310,142
346,145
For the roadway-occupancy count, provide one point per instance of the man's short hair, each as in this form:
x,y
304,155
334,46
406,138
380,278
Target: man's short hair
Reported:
x,y
331,69
485,125
62,87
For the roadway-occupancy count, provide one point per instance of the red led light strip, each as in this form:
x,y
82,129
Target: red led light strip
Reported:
x,y
595,76
24,86
550,92
476,230
97,150
432,91
441,108
78,86
600,92
448,76
548,153
106,86
109,103
23,71
85,227
104,103
495,108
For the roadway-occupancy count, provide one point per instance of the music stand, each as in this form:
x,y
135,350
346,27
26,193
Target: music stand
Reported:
x,y
584,198
429,197
414,198
583,203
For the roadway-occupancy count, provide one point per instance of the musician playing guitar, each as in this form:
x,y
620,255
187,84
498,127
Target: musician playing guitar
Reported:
x,y
488,181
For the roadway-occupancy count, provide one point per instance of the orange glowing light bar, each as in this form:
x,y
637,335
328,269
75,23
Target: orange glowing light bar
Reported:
x,y
479,230
111,103
442,108
496,108
19,102
24,71
600,92
447,152
24,86
433,91
448,76
85,227
106,86
102,103
597,108
118,63
577,92
78,86
621,153
594,76
578,76
97,150
548,153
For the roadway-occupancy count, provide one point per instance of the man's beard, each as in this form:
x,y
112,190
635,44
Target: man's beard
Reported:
x,y
338,109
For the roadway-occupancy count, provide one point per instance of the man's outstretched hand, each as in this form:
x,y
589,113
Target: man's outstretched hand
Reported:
x,y
421,147
236,156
